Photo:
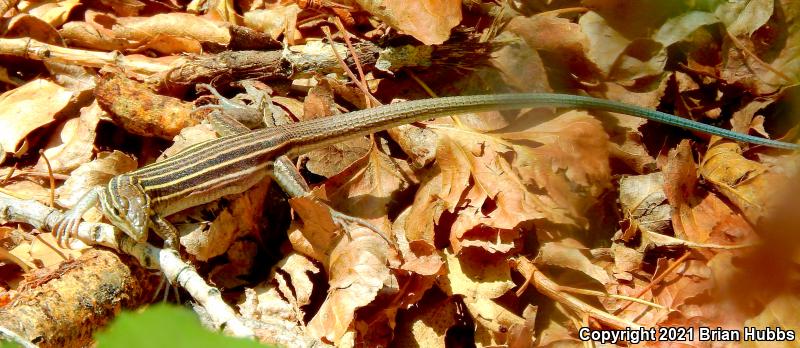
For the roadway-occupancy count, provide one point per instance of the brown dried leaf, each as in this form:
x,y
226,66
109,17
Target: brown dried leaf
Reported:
x,y
23,25
554,333
426,210
620,58
476,278
126,8
522,336
267,304
689,280
626,138
167,33
644,204
561,255
495,190
571,164
548,32
745,119
750,185
369,186
29,107
241,256
283,295
686,285
509,69
699,216
12,238
225,11
359,271
317,234
744,17
429,21
781,314
493,322
680,27
606,44
294,280
319,102
419,143
22,256
73,142
175,25
364,190
94,173
561,37
240,218
516,63
492,195
187,137
54,12
95,32
30,190
46,252
419,256
169,44
275,20
788,60
426,325
626,261
11,80
741,67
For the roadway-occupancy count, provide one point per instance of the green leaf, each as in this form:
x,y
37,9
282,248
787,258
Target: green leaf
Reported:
x,y
8,344
164,326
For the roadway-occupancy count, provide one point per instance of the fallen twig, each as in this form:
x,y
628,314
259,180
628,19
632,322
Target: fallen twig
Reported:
x,y
175,270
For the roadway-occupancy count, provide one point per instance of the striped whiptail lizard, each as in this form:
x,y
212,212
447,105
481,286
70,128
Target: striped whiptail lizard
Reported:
x,y
140,200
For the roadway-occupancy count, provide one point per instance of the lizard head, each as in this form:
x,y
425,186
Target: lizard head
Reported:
x,y
127,206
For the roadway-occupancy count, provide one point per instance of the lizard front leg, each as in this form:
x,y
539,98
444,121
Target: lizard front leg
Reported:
x,y
67,225
166,231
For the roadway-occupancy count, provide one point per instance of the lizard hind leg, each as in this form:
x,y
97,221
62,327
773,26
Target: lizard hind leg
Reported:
x,y
289,179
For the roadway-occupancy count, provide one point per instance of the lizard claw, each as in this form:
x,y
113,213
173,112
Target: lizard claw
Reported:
x,y
66,228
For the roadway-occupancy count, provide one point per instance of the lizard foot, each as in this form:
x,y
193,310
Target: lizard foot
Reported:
x,y
66,228
166,285
342,219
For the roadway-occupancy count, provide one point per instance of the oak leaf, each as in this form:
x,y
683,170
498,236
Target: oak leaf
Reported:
x,y
428,21
644,204
359,272
28,107
54,12
749,185
700,216
73,142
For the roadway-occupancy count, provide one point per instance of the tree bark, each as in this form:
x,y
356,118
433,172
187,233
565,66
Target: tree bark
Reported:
x,y
66,306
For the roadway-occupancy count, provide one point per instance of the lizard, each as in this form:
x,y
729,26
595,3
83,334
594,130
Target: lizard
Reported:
x,y
140,200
